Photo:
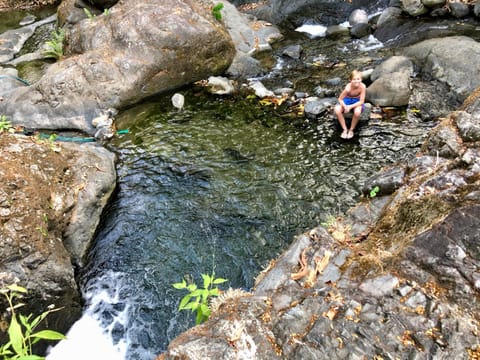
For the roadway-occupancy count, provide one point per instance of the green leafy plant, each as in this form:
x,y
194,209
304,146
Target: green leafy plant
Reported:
x,y
51,142
106,12
52,138
197,299
89,14
5,125
48,140
54,47
329,221
216,11
41,229
374,191
21,331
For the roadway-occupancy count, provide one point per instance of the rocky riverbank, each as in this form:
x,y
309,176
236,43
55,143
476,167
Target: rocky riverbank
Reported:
x,y
396,278
51,198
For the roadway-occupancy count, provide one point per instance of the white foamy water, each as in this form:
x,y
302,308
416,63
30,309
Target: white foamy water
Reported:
x,y
86,340
370,43
313,30
89,338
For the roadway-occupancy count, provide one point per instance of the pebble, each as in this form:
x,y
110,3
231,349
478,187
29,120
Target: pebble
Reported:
x,y
380,286
27,20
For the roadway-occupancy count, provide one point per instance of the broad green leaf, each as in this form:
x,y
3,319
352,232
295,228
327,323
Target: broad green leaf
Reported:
x,y
16,336
24,320
16,288
37,320
184,301
192,287
205,293
205,310
207,280
197,293
214,292
219,281
191,306
180,285
49,335
199,318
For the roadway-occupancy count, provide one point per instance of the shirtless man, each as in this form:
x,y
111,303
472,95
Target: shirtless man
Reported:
x,y
351,98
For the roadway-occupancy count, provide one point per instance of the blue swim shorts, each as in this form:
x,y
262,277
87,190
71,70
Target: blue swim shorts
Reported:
x,y
350,101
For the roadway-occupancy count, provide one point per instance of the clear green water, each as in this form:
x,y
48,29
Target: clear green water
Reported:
x,y
224,185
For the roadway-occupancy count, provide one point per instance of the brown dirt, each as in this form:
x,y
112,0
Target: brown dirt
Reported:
x,y
33,174
6,5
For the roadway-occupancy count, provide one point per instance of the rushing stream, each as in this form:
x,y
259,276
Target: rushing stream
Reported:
x,y
222,186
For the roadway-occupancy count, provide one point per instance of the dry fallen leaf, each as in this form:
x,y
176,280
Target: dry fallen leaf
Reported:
x,y
331,313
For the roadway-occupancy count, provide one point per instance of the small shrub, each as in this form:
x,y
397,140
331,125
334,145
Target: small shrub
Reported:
x,y
374,191
216,11
197,300
5,125
54,47
21,331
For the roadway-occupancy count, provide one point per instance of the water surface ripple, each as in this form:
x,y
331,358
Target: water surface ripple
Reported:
x,y
216,188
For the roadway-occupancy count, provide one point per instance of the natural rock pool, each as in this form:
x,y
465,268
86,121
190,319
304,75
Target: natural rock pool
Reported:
x,y
222,186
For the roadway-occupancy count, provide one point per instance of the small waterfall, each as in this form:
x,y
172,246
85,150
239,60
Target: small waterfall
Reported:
x,y
89,338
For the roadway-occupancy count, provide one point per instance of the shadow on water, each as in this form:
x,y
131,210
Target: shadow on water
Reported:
x,y
222,186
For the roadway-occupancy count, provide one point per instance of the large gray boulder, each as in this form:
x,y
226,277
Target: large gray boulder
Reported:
x,y
116,59
391,90
391,82
96,177
391,65
250,37
414,7
453,60
327,12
